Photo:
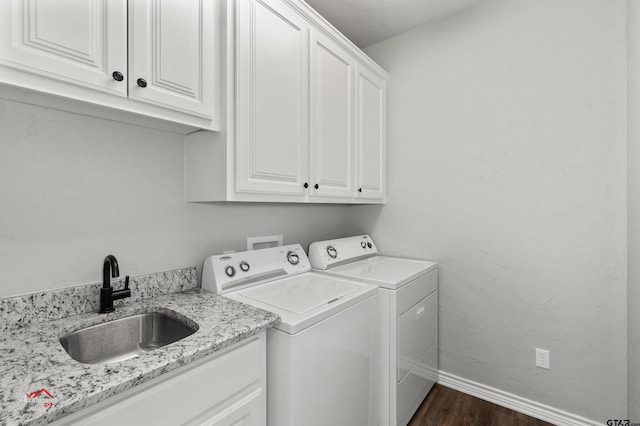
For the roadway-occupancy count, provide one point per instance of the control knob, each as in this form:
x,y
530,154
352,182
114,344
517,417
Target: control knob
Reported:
x,y
332,252
230,271
293,258
363,245
244,266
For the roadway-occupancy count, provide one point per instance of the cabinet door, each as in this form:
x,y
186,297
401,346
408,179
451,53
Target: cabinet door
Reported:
x,y
371,92
222,389
249,411
171,54
78,41
331,119
272,98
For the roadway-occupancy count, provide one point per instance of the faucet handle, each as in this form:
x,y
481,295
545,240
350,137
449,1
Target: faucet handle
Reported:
x,y
126,282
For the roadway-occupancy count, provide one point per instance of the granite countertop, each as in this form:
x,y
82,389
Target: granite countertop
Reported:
x,y
32,358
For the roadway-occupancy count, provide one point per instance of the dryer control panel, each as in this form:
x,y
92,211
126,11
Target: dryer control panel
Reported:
x,y
331,253
225,272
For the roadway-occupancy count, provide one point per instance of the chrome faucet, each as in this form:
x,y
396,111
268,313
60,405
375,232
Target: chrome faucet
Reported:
x,y
107,293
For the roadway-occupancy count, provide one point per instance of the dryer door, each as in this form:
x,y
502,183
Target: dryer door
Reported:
x,y
417,329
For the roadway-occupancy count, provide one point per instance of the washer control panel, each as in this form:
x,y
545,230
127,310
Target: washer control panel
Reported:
x,y
325,254
231,271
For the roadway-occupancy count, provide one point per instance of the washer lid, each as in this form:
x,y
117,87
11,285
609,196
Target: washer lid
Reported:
x,y
387,272
306,299
301,294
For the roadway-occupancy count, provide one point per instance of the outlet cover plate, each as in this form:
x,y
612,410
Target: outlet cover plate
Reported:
x,y
542,358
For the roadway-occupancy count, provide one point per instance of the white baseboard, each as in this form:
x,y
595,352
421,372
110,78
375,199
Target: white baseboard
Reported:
x,y
514,402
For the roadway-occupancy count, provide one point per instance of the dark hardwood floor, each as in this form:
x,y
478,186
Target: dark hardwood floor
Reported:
x,y
447,407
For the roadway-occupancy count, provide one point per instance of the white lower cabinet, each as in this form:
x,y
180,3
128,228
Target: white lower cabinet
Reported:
x,y
305,113
223,389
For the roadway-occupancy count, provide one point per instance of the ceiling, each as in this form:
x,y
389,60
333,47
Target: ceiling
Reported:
x,y
366,22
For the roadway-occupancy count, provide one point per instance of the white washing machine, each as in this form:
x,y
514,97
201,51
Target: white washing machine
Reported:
x,y
408,315
322,356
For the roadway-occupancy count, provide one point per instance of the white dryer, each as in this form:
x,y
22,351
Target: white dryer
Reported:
x,y
408,315
321,356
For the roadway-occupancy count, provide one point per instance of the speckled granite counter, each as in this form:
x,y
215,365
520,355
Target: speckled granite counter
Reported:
x,y
31,358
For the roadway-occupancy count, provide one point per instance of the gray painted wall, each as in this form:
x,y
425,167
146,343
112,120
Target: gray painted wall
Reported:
x,y
74,189
633,292
507,164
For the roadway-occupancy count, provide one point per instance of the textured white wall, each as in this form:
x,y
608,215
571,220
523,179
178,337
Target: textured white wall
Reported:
x,y
633,292
507,164
74,189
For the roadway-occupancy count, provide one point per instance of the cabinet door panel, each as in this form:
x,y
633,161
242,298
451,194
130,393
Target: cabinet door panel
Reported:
x,y
249,411
78,41
332,129
220,390
271,122
168,39
371,137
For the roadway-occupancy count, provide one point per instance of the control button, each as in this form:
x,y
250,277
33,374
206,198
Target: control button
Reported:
x,y
293,258
369,245
244,266
363,245
230,271
332,252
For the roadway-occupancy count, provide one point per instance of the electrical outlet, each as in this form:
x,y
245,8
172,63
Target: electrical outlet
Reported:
x,y
542,358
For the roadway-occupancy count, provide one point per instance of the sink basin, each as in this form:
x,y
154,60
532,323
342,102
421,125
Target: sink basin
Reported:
x,y
125,338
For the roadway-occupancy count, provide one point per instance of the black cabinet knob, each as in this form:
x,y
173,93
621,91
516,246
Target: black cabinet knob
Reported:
x,y
306,185
117,76
142,82
316,186
359,189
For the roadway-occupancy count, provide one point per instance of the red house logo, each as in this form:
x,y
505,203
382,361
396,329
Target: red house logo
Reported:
x,y
40,393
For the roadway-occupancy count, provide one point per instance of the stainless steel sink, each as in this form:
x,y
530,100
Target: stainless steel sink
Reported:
x,y
125,338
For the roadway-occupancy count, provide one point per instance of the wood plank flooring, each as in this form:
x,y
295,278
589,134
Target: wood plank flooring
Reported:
x,y
447,407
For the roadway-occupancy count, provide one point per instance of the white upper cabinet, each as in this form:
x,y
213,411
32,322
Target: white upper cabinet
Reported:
x,y
304,117
272,79
332,127
77,41
167,64
371,134
156,58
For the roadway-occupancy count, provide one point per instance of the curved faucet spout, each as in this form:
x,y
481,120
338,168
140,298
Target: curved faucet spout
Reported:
x,y
110,270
